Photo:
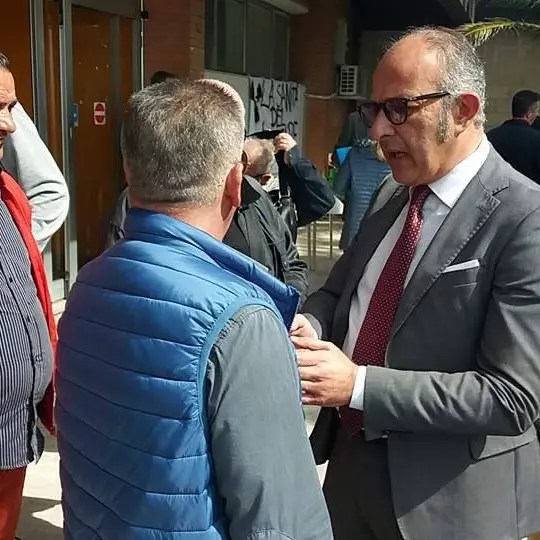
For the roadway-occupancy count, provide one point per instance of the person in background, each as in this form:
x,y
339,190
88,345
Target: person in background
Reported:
x,y
429,372
357,180
257,231
311,195
516,140
28,160
262,165
27,331
188,423
161,76
353,132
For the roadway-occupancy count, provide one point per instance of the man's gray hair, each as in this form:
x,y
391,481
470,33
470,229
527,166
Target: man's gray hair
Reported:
x,y
180,139
462,69
264,161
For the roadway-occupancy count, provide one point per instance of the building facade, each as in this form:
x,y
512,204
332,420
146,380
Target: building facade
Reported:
x,y
77,61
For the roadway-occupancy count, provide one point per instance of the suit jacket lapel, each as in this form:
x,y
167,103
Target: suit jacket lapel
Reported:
x,y
371,233
465,219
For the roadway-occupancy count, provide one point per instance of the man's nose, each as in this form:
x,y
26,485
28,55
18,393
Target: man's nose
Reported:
x,y
6,122
381,127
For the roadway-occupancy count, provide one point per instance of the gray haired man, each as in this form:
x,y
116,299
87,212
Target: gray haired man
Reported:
x,y
178,403
262,163
429,372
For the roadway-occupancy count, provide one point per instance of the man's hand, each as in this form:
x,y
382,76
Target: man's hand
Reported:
x,y
284,142
301,327
327,375
331,159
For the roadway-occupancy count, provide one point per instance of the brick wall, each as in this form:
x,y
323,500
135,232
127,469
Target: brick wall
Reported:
x,y
312,63
174,41
174,37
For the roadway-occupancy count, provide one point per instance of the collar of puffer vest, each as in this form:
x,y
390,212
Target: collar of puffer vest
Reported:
x,y
159,228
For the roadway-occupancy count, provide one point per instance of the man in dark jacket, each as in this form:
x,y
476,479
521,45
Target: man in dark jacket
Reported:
x,y
257,231
516,140
311,194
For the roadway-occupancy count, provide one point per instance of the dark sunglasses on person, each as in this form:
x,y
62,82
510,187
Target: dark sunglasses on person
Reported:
x,y
395,109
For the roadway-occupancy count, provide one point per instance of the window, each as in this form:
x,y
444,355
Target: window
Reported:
x,y
281,46
209,32
248,37
230,32
224,41
258,38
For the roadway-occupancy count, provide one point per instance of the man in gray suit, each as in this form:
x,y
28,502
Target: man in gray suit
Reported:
x,y
429,372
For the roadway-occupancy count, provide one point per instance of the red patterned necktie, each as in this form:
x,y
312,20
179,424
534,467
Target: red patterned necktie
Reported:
x,y
372,342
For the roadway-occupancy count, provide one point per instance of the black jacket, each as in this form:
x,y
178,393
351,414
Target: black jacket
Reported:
x,y
312,195
257,231
519,144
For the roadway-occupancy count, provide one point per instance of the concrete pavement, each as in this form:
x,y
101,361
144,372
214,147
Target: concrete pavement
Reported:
x,y
41,516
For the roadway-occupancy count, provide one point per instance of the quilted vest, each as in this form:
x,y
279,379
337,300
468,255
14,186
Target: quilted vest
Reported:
x,y
133,349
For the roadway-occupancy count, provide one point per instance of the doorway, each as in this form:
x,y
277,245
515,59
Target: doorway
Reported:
x,y
16,44
103,64
76,63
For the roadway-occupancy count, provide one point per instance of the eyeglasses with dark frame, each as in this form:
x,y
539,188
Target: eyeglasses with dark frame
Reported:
x,y
395,109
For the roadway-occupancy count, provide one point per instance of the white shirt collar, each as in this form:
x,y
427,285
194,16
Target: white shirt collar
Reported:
x,y
450,187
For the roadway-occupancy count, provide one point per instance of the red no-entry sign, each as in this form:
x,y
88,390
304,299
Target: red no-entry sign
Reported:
x,y
100,113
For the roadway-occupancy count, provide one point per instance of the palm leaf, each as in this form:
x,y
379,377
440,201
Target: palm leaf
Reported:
x,y
480,32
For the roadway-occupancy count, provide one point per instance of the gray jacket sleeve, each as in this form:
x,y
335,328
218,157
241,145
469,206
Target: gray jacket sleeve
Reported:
x,y
263,463
28,160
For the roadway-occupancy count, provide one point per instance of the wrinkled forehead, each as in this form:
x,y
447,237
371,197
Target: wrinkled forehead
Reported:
x,y
410,68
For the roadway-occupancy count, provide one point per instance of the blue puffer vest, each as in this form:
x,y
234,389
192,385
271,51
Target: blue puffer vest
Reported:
x,y
133,350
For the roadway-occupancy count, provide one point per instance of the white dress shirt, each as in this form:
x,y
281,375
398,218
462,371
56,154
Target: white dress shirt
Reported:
x,y
445,193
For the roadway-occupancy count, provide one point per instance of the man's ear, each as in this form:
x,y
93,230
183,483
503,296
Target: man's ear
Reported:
x,y
233,186
465,110
264,179
127,172
531,116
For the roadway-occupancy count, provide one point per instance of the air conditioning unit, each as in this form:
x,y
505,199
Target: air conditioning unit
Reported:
x,y
348,80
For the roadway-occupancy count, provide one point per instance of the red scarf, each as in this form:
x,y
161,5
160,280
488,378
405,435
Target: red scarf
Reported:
x,y
21,213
